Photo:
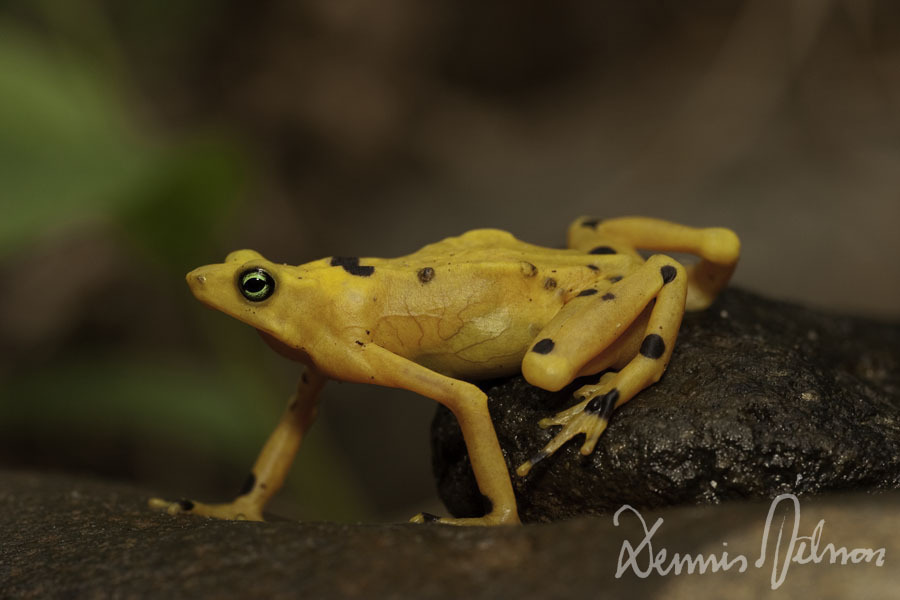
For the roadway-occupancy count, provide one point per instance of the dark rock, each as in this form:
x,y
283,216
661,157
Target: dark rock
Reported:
x,y
760,398
65,537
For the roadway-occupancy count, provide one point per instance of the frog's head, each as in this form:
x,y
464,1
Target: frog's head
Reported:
x,y
249,288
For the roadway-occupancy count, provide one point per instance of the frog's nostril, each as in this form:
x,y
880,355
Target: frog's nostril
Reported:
x,y
195,279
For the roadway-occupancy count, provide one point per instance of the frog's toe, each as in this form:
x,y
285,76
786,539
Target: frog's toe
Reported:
x,y
588,417
563,417
505,518
424,517
171,507
238,510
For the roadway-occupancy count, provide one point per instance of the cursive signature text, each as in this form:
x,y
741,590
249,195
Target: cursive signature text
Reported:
x,y
644,560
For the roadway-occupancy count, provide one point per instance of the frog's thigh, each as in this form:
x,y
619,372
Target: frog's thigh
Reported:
x,y
591,415
717,247
274,461
469,405
590,323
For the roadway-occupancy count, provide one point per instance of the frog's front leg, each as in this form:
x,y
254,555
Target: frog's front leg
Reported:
x,y
563,349
272,465
469,405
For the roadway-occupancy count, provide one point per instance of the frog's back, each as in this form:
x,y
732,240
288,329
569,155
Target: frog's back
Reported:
x,y
471,305
493,246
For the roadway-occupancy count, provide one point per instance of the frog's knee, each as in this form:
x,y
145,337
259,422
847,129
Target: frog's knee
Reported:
x,y
545,367
720,245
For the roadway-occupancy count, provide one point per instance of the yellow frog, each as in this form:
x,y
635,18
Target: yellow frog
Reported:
x,y
480,305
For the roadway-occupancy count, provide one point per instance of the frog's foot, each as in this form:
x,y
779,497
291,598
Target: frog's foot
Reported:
x,y
504,518
590,417
240,509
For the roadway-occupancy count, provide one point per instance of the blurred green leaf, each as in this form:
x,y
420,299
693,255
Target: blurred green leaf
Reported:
x,y
194,192
70,151
67,151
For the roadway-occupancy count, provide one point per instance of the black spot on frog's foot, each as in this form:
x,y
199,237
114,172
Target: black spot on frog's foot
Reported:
x,y
186,505
425,275
602,250
653,346
351,265
668,273
248,486
591,223
544,346
603,405
587,292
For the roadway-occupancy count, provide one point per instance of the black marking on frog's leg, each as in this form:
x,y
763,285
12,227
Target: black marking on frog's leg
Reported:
x,y
591,223
351,265
185,505
604,405
248,486
668,273
653,346
614,278
602,250
429,518
549,283
487,504
544,346
608,296
593,267
535,459
528,269
425,275
587,292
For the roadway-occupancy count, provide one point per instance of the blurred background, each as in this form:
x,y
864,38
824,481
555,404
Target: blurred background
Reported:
x,y
141,139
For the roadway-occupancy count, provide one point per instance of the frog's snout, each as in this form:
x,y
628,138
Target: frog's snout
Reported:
x,y
196,280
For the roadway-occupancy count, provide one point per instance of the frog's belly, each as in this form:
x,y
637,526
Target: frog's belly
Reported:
x,y
491,344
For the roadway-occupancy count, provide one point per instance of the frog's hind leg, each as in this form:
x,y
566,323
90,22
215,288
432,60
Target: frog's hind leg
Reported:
x,y
717,247
272,465
561,353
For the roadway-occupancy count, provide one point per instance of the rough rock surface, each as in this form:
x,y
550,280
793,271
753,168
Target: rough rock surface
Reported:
x,y
65,537
760,398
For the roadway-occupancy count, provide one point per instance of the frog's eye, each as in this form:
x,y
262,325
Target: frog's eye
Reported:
x,y
256,284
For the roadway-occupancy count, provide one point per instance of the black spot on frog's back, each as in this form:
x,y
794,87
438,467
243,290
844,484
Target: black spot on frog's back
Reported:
x,y
425,275
352,266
